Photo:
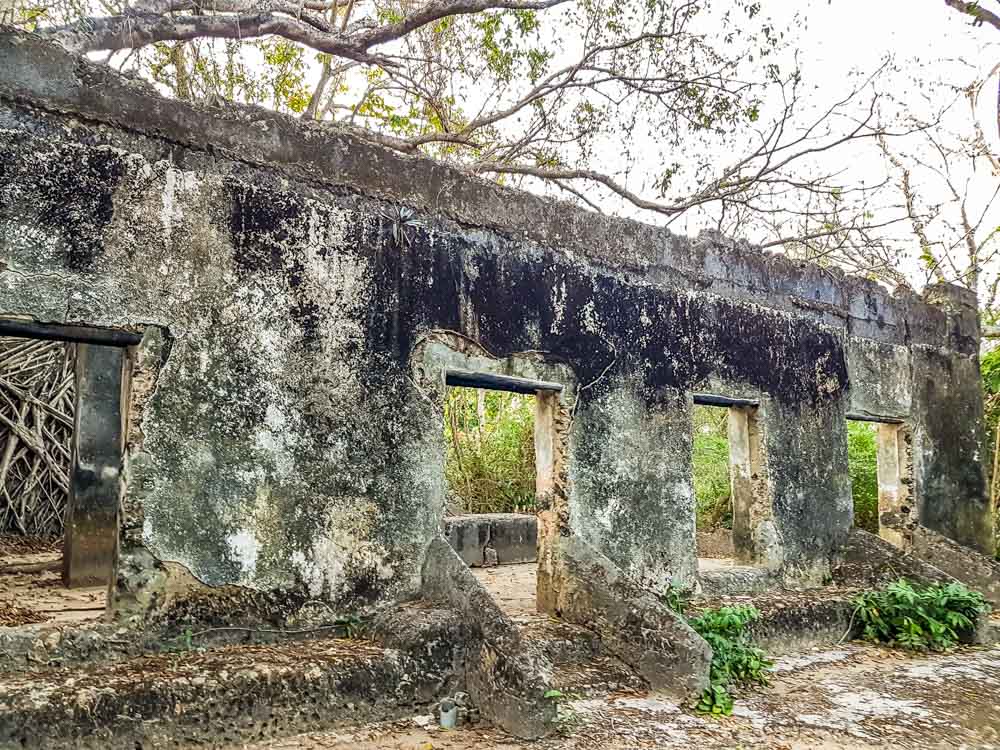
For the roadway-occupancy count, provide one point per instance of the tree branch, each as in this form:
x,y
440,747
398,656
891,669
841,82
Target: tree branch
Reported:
x,y
976,11
243,20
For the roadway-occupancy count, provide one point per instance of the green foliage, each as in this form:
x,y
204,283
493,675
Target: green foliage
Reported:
x,y
500,37
284,74
206,71
566,717
352,627
927,618
182,643
989,365
862,458
710,466
676,598
735,660
490,437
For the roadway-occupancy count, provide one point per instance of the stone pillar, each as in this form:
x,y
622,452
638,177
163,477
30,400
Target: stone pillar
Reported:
x,y
551,419
751,497
895,472
95,479
632,495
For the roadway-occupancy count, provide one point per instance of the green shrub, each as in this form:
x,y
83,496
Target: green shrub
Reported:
x,y
490,463
919,618
862,458
710,467
735,660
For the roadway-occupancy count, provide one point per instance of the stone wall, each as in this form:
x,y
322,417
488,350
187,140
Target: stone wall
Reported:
x,y
287,441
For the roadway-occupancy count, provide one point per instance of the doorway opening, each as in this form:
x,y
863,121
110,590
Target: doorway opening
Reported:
x,y
728,479
862,460
498,442
713,500
60,470
490,462
879,463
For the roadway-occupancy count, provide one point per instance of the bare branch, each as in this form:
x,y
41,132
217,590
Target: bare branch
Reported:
x,y
976,11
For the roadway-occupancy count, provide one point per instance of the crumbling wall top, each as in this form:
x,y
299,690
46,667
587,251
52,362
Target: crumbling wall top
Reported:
x,y
36,74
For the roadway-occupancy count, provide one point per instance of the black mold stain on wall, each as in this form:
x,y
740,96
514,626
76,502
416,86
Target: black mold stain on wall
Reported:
x,y
429,280
71,196
269,231
506,302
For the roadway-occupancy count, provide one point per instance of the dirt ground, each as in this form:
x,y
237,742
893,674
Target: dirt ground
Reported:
x,y
38,596
850,697
513,588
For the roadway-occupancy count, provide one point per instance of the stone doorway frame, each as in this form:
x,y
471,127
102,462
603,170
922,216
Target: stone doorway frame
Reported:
x,y
103,363
897,514
445,358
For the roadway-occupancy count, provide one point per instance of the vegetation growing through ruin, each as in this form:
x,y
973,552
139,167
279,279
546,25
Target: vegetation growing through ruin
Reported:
x,y
735,660
490,462
989,365
862,458
919,618
710,468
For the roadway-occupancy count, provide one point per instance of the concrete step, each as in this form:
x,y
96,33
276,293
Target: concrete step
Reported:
x,y
792,621
221,696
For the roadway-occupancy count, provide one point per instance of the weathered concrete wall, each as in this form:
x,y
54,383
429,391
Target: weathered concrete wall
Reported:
x,y
286,441
487,539
977,571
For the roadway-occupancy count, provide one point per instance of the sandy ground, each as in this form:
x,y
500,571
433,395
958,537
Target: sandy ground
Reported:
x,y
40,596
850,697
513,586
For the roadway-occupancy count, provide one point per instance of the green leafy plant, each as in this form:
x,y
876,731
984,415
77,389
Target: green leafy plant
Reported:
x,y
919,618
735,660
566,717
676,598
352,627
181,643
989,367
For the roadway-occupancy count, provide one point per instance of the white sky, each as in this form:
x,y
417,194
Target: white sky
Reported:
x,y
930,43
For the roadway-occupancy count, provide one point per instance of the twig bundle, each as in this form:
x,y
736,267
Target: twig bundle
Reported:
x,y
36,428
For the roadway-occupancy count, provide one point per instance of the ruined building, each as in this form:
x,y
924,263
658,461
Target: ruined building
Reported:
x,y
266,314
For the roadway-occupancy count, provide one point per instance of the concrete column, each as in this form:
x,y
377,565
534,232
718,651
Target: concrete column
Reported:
x,y
740,483
748,486
95,478
949,479
895,472
546,404
553,515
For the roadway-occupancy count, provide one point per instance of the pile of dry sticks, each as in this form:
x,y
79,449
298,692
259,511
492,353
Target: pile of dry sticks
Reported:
x,y
36,429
